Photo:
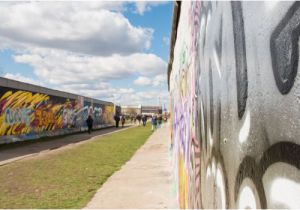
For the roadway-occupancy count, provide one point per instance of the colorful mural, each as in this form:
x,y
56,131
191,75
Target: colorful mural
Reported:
x,y
28,115
235,90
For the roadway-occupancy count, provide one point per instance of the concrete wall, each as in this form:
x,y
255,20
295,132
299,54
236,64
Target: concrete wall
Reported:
x,y
30,112
235,100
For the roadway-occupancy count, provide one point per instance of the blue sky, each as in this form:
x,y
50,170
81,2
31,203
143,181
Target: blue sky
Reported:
x,y
115,51
7,64
158,18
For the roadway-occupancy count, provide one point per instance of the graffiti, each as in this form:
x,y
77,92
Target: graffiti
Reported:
x,y
240,57
286,37
27,115
69,117
100,113
18,115
234,89
44,118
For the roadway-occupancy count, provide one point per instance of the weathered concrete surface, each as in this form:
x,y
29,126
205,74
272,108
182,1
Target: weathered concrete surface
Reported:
x,y
234,100
143,182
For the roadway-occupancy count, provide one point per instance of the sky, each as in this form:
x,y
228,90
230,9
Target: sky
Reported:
x,y
113,51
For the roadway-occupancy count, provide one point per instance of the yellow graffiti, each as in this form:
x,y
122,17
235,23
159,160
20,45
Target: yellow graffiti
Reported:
x,y
183,184
109,113
8,93
44,118
22,113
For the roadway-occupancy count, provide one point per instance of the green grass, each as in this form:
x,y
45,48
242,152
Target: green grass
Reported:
x,y
70,178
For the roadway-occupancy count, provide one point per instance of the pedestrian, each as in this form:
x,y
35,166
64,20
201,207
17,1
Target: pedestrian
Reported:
x,y
144,119
154,122
123,121
165,119
139,118
159,119
135,118
117,119
131,119
89,123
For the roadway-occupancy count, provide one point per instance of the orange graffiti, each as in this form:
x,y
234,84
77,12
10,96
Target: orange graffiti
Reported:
x,y
44,117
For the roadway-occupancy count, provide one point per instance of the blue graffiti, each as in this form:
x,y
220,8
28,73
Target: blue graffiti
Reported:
x,y
16,116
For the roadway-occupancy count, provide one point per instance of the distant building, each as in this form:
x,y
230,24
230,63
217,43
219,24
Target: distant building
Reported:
x,y
151,110
139,109
131,110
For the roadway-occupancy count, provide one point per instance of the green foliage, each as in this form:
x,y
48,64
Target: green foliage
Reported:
x,y
68,178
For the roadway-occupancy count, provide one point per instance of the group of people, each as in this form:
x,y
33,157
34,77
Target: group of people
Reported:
x,y
135,119
119,118
138,119
156,121
141,118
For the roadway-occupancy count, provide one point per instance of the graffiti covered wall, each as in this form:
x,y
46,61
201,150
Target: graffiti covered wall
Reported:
x,y
29,115
235,102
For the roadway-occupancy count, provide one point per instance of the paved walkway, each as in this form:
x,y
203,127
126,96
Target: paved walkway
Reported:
x,y
144,182
21,150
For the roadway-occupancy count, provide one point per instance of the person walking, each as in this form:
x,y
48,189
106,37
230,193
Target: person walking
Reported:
x,y
153,122
159,119
131,119
135,118
123,121
89,123
117,119
139,118
144,119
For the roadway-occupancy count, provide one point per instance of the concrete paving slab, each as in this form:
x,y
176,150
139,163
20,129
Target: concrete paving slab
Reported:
x,y
144,182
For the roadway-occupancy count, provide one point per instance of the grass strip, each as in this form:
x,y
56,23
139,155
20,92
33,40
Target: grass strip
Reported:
x,y
69,178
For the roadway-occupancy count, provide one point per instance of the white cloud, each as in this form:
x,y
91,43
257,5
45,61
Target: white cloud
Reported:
x,y
155,97
102,91
61,67
22,78
105,91
121,95
143,6
160,79
156,81
142,81
80,47
96,28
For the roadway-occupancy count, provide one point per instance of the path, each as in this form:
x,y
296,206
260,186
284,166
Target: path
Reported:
x,y
143,182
